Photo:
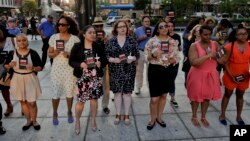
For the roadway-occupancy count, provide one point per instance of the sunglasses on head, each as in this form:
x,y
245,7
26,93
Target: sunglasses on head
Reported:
x,y
62,24
163,26
129,21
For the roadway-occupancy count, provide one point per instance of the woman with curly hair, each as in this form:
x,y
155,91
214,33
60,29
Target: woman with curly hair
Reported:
x,y
60,48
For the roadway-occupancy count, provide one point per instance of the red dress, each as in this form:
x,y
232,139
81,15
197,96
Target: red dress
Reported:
x,y
203,80
238,64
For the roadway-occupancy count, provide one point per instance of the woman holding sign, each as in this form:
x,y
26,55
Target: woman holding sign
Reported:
x,y
163,54
63,80
122,52
88,60
24,83
236,74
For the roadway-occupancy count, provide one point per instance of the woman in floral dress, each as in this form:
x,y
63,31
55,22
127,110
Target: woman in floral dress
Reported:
x,y
88,59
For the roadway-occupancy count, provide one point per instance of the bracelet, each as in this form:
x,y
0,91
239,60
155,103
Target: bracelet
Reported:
x,y
34,69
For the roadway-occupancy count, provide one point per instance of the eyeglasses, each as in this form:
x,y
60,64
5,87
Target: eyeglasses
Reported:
x,y
122,26
62,24
163,26
242,34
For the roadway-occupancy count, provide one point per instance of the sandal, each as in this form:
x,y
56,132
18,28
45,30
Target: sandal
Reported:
x,y
70,117
117,119
195,121
55,120
77,127
204,122
127,120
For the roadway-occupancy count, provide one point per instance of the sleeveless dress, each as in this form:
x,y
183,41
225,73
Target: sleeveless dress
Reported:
x,y
238,64
203,80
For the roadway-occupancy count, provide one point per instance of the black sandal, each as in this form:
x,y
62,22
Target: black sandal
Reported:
x,y
106,110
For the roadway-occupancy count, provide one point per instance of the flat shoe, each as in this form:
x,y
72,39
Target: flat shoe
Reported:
x,y
55,121
70,119
150,127
162,123
223,121
77,127
240,122
36,126
27,126
106,110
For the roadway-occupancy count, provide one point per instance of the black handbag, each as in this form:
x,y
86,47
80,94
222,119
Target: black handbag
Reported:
x,y
186,65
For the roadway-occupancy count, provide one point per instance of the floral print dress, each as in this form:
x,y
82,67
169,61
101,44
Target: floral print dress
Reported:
x,y
89,86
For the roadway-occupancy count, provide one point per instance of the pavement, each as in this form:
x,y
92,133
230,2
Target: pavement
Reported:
x,y
179,126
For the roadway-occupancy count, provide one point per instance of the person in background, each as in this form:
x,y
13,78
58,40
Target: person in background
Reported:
x,y
12,28
236,73
46,30
6,46
193,37
177,38
25,85
142,35
24,24
210,21
122,52
127,18
163,54
60,48
102,39
88,60
33,27
2,129
203,75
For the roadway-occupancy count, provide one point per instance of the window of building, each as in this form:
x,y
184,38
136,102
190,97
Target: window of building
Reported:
x,y
124,1
113,1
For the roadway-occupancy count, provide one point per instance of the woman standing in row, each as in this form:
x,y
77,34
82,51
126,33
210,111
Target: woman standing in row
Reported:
x,y
88,59
24,83
60,48
163,54
122,52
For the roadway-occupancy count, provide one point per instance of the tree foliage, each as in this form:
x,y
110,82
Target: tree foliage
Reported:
x,y
29,6
141,4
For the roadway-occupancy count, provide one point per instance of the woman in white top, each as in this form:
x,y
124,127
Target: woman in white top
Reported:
x,y
63,80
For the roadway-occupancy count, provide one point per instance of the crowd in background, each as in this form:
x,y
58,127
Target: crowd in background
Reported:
x,y
93,63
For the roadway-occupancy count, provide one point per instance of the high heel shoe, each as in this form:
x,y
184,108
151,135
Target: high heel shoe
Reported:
x,y
77,127
117,119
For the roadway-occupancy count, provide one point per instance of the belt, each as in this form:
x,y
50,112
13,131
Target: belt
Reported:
x,y
23,73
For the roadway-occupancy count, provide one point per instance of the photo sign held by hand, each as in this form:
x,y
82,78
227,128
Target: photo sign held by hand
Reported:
x,y
220,53
165,46
60,45
123,58
23,62
148,31
90,60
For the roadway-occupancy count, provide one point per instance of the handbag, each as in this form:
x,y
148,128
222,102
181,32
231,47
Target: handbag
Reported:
x,y
5,78
186,65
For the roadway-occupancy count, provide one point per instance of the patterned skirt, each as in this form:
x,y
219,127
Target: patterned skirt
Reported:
x,y
89,86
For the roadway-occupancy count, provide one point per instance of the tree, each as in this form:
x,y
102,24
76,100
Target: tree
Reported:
x,y
141,4
28,7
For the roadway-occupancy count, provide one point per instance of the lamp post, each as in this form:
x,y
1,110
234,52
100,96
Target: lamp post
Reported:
x,y
86,11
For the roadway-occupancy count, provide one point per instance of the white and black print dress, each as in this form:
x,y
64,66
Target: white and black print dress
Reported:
x,y
122,75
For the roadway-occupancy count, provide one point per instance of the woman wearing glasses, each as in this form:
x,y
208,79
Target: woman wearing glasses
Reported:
x,y
122,52
63,80
236,74
163,54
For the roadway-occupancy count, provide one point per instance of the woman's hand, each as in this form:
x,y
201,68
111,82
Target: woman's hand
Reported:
x,y
65,54
12,64
84,66
29,67
98,64
53,53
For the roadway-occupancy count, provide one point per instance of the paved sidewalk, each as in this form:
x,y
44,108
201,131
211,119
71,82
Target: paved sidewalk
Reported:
x,y
179,126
